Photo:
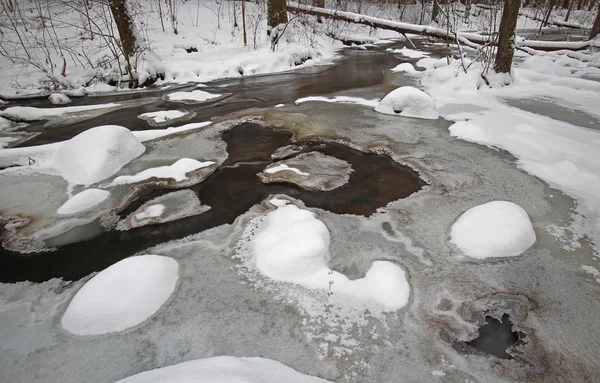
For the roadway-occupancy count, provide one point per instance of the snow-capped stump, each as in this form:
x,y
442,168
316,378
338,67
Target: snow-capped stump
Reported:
x,y
96,154
409,102
493,230
311,171
59,99
291,245
224,369
122,296
83,201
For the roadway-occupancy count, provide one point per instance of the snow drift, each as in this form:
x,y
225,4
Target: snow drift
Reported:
x,y
122,296
96,154
409,102
494,229
292,245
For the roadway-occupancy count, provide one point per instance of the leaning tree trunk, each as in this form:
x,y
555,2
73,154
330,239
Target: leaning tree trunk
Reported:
x,y
320,4
125,27
506,36
596,26
276,13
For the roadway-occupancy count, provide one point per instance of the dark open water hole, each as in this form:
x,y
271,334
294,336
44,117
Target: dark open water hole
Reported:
x,y
230,192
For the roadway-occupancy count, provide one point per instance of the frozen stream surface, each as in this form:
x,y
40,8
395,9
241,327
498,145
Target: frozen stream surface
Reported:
x,y
372,288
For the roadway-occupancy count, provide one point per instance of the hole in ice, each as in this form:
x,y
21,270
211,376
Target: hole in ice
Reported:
x,y
495,337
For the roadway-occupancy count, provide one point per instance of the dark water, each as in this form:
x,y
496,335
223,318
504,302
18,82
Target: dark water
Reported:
x,y
230,191
495,337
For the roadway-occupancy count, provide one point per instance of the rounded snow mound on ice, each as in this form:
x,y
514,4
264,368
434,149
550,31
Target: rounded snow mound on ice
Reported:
x,y
85,200
122,296
409,102
96,154
494,229
224,369
291,245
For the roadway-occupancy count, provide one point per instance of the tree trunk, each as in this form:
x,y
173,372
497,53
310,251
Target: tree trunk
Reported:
x,y
565,4
435,11
320,4
591,6
596,27
125,27
277,13
506,36
579,4
569,11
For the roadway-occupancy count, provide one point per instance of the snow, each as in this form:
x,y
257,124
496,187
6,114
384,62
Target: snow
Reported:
x,y
122,296
493,230
151,211
176,171
408,101
162,116
151,134
339,99
293,246
284,167
30,113
224,369
59,99
96,154
83,201
4,123
404,67
195,96
410,53
562,154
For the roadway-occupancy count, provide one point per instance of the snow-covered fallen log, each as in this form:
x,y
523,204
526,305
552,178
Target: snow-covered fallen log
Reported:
x,y
470,39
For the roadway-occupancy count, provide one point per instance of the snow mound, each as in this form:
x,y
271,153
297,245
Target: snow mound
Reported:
x,y
494,229
122,296
410,53
176,171
83,201
292,245
409,102
340,100
96,154
165,117
59,99
224,369
404,67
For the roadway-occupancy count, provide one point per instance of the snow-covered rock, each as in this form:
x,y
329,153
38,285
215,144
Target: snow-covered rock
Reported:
x,y
409,102
59,99
122,296
96,154
195,96
291,245
492,230
224,369
83,201
176,171
165,117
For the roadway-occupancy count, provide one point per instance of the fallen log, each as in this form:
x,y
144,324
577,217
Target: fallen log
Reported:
x,y
473,40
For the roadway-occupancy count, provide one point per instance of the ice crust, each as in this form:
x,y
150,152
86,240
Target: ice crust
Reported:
x,y
166,117
224,369
493,230
291,245
408,101
122,296
96,154
311,171
83,201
